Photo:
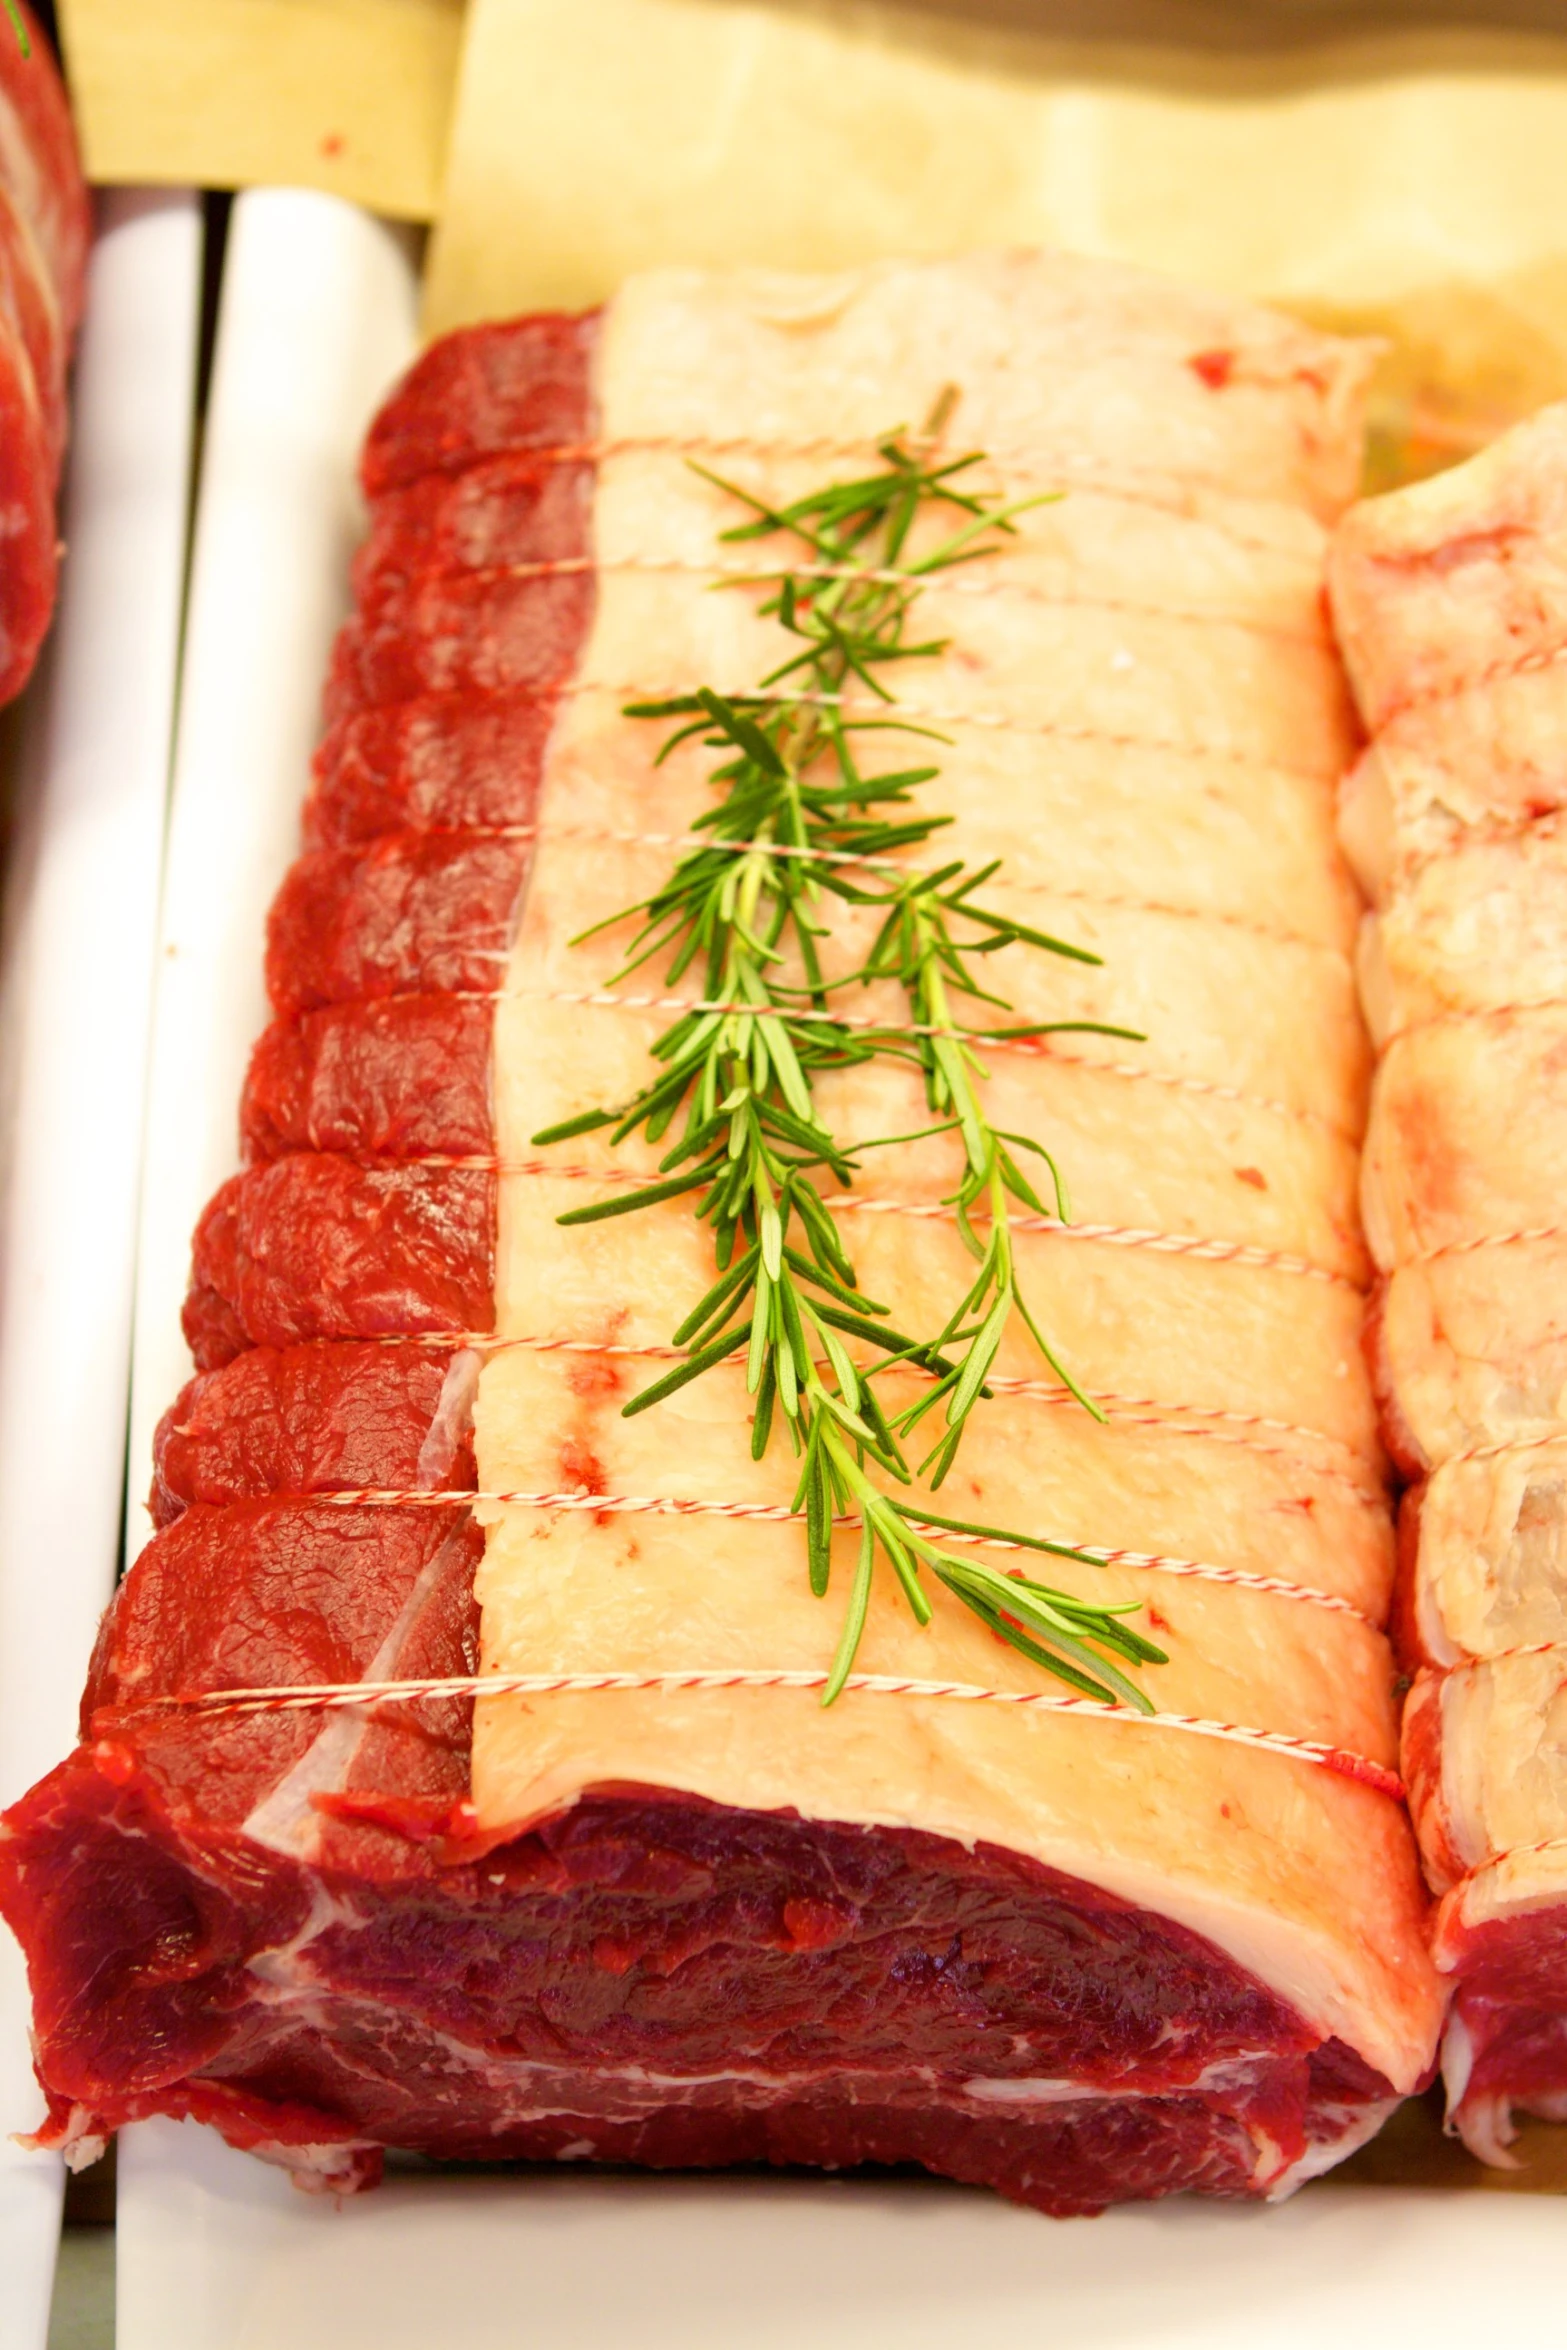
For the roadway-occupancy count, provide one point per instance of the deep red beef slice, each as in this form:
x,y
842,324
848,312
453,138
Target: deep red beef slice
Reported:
x,y
394,1079
508,510
411,910
464,762
509,2006
483,632
315,1419
257,1595
314,1246
525,384
45,226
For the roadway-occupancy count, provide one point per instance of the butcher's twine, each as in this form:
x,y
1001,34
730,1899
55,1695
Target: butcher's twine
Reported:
x,y
1172,1244
777,1513
307,1697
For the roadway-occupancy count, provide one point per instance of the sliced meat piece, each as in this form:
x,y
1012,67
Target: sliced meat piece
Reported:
x,y
1482,929
1440,589
480,632
247,1596
502,511
1470,1349
1492,759
452,762
41,166
1492,1553
1442,1168
316,1247
396,1079
316,1419
45,223
410,911
524,384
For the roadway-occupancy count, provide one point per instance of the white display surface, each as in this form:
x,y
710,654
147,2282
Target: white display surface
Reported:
x,y
225,2259
81,928
219,2252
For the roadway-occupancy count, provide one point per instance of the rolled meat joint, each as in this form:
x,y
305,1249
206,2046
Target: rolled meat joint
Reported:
x,y
1451,605
1074,1953
44,229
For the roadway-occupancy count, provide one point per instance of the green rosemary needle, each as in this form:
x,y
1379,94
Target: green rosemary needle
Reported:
x,y
798,822
18,26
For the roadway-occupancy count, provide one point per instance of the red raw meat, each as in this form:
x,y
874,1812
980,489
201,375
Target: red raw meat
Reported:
x,y
522,385
509,510
453,762
536,2000
395,1079
313,1246
44,228
409,911
477,632
315,1419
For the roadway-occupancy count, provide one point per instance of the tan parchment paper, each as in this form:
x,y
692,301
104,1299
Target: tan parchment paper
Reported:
x,y
1411,182
349,95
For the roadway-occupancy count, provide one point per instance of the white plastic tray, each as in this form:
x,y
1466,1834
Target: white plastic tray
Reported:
x,y
81,924
216,2251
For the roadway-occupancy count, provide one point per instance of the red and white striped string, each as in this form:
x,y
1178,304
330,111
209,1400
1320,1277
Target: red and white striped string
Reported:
x,y
775,1513
1174,1244
612,836
333,1695
1166,491
989,721
949,582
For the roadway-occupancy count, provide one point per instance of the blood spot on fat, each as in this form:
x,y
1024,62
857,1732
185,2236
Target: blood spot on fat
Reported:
x,y
333,146
594,1375
1252,1175
581,1469
1213,368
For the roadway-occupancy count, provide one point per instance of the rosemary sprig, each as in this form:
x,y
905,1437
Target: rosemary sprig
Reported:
x,y
799,821
18,26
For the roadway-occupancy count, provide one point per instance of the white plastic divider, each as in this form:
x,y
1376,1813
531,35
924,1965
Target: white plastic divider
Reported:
x,y
317,315
81,928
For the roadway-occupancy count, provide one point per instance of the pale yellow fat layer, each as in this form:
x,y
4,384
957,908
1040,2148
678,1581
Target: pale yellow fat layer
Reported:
x,y
1451,601
1167,640
1504,1753
1474,1346
1443,1165
1493,1553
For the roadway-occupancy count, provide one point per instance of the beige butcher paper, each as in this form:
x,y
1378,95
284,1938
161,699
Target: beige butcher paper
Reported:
x,y
1142,714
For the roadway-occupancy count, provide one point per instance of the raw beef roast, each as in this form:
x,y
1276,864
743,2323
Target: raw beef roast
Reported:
x,y
1451,601
44,228
1078,1956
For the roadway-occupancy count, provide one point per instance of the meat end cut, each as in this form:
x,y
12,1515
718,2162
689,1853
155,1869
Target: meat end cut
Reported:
x,y
1075,1955
1451,601
45,224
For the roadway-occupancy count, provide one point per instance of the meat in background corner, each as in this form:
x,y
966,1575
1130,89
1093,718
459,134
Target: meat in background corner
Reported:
x,y
44,228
